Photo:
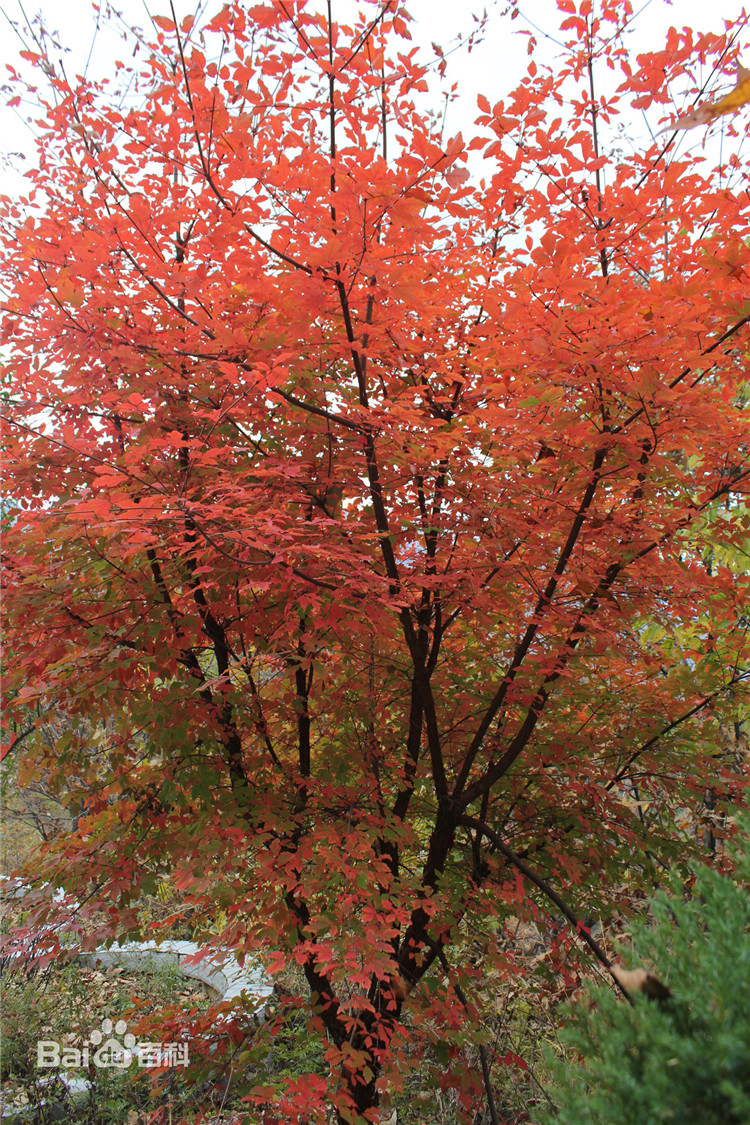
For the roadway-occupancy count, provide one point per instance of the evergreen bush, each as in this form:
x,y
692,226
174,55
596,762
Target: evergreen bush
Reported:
x,y
683,1060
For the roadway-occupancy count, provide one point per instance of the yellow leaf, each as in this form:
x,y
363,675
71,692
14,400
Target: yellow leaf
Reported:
x,y
737,97
707,112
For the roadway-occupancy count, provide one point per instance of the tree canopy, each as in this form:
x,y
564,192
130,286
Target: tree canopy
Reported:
x,y
377,496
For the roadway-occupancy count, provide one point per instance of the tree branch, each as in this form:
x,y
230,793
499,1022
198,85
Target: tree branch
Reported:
x,y
541,884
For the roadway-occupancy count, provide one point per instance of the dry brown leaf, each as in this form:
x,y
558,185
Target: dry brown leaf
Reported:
x,y
638,980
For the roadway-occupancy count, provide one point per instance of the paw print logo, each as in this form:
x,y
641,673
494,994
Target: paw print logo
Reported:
x,y
112,1052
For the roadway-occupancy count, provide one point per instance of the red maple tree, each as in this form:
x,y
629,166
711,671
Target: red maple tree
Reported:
x,y
363,485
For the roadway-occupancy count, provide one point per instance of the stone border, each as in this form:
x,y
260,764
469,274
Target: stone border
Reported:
x,y
224,976
216,969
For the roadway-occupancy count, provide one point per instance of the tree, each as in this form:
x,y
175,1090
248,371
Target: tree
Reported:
x,y
364,491
685,1057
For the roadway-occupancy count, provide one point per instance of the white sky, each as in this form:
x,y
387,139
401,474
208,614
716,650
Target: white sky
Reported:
x,y
493,67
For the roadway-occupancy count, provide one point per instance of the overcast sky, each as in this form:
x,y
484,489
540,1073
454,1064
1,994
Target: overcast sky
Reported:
x,y
492,68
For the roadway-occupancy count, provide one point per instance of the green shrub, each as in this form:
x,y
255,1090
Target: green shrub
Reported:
x,y
683,1060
